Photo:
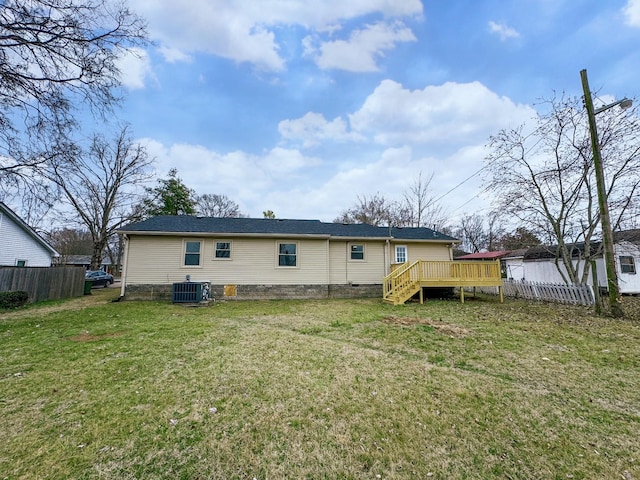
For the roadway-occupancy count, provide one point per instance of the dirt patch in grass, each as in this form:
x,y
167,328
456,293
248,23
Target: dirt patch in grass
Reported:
x,y
87,337
443,328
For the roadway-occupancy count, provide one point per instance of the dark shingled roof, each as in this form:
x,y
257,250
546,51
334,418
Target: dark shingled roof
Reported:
x,y
631,236
246,226
576,250
484,255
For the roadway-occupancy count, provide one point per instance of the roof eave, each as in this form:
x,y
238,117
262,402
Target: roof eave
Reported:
x,y
285,235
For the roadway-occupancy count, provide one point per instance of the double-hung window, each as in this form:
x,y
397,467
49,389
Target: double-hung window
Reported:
x,y
192,253
287,254
401,253
356,251
222,250
627,265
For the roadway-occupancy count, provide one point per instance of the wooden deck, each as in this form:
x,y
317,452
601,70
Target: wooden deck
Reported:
x,y
407,280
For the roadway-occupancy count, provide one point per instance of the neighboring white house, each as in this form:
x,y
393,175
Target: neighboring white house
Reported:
x,y
20,245
627,249
538,264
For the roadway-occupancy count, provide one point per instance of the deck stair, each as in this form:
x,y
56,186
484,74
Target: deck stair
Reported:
x,y
409,278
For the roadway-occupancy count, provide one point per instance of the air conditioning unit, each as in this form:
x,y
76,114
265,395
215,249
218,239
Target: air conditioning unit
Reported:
x,y
191,292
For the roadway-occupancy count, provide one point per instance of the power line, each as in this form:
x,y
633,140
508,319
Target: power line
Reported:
x,y
480,170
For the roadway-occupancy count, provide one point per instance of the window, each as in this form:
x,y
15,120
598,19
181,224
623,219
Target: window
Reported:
x,y
357,252
627,265
401,253
223,250
21,263
191,254
287,254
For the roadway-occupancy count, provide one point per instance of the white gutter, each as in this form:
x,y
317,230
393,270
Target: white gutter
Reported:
x,y
125,263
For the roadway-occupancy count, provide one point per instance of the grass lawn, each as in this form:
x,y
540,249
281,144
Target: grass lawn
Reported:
x,y
336,389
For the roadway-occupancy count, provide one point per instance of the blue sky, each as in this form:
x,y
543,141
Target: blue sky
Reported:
x,y
299,107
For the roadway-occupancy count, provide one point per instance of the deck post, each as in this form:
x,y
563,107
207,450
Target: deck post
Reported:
x,y
421,296
462,294
500,292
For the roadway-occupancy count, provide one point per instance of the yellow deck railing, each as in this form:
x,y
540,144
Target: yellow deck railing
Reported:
x,y
408,279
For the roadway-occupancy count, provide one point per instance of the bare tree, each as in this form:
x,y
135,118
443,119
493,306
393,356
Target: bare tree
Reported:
x,y
480,233
213,205
545,179
472,233
422,207
376,210
521,237
100,184
54,56
71,241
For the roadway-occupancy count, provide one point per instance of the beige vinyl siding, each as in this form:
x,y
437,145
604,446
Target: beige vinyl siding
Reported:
x,y
423,251
159,259
367,271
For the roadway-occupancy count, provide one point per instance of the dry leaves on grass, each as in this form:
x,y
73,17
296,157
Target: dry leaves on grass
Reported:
x,y
87,337
441,327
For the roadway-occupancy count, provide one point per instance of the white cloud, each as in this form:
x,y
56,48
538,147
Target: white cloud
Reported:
x,y
313,129
440,129
173,55
453,112
244,31
503,31
244,177
360,52
632,12
135,68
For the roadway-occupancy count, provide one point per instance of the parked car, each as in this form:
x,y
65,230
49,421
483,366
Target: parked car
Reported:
x,y
99,278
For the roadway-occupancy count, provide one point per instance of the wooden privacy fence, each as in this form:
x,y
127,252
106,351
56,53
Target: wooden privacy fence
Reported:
x,y
550,292
43,283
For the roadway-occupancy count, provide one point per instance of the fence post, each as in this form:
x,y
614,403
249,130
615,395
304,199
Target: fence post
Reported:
x,y
597,302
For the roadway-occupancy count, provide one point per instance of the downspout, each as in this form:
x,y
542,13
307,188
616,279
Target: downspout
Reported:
x,y
387,256
328,271
125,264
346,263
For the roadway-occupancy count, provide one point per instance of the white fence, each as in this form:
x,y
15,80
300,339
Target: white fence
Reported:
x,y
550,292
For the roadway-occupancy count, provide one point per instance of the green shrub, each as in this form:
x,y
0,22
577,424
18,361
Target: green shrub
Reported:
x,y
13,299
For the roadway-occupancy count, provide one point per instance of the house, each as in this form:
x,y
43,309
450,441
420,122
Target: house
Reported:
x,y
513,264
249,258
626,244
496,255
84,261
20,245
538,264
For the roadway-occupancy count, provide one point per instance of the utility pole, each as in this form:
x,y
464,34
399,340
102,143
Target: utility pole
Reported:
x,y
603,204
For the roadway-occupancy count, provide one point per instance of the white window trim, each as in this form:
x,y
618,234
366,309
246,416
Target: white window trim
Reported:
x,y
184,253
364,252
222,259
18,260
289,267
632,264
395,253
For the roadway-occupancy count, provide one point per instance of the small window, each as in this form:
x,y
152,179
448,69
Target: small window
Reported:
x,y
357,252
401,254
287,254
223,250
192,254
627,265
21,263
